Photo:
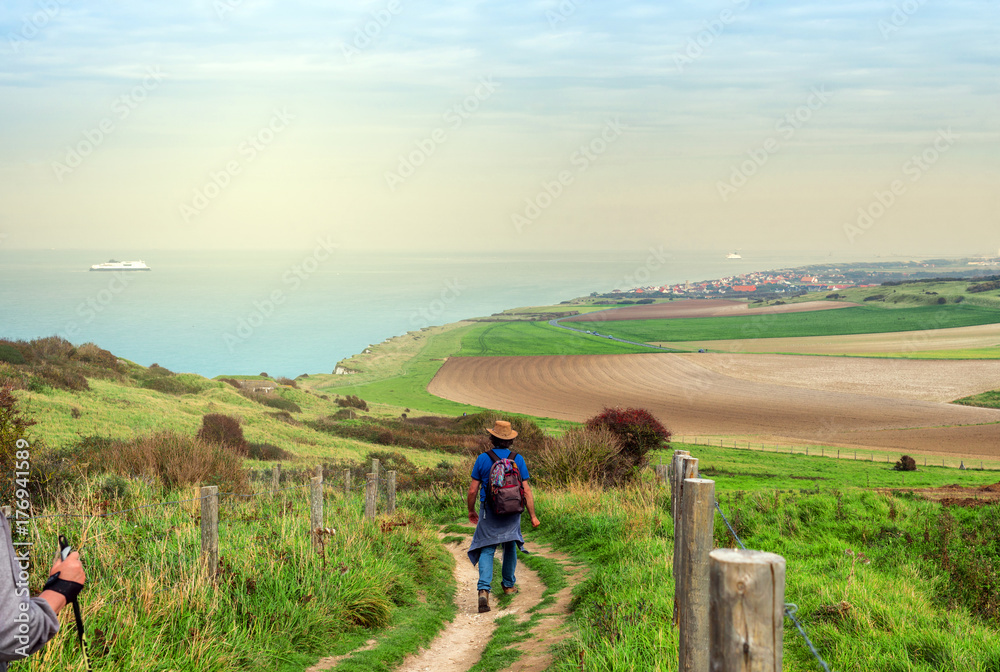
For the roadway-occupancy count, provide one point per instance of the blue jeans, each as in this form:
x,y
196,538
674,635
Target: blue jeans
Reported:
x,y
486,565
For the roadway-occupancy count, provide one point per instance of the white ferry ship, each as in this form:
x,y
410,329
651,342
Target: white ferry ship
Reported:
x,y
115,265
734,255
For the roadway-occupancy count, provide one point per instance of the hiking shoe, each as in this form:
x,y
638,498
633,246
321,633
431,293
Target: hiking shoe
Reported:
x,y
484,601
510,591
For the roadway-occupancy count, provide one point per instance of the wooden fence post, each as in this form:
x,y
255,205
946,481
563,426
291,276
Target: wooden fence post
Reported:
x,y
371,495
347,482
746,609
390,492
210,529
316,508
275,476
697,539
375,468
319,472
687,467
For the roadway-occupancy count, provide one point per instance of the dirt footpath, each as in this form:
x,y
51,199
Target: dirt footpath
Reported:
x,y
461,644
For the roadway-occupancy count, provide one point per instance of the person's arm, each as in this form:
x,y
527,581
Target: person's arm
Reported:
x,y
529,500
471,500
26,624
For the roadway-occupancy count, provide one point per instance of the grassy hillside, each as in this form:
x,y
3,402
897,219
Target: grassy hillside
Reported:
x,y
986,399
855,320
498,339
909,294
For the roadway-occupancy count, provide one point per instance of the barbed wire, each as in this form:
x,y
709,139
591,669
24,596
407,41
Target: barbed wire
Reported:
x,y
790,608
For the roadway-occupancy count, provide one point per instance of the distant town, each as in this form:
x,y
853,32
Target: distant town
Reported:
x,y
774,284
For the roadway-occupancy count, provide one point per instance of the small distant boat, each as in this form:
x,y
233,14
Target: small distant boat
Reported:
x,y
734,255
115,265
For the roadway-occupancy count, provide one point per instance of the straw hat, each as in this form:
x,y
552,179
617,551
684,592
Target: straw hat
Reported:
x,y
502,430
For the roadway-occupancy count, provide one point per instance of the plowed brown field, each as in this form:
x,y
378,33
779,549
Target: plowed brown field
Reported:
x,y
700,308
692,398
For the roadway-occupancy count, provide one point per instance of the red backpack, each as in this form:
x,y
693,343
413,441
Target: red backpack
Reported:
x,y
504,488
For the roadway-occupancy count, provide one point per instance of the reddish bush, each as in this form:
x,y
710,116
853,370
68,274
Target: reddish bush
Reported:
x,y
636,429
222,430
906,463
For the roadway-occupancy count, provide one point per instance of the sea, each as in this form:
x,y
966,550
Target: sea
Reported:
x,y
286,313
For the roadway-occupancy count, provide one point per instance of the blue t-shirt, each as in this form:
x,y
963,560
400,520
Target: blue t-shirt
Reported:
x,y
481,469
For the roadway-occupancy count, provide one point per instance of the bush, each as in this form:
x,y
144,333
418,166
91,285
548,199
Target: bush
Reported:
x,y
268,451
942,300
91,354
10,354
222,430
114,487
273,401
983,287
288,381
60,377
51,349
231,381
906,463
875,297
636,429
157,370
352,401
591,456
169,384
178,461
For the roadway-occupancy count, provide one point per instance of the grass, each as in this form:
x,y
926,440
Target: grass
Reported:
x,y
964,353
276,602
853,320
500,339
986,399
739,469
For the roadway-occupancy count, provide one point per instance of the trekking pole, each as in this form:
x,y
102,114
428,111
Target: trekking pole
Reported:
x,y
65,549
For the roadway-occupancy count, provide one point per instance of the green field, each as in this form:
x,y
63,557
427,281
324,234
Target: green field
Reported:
x,y
912,294
499,339
854,320
986,399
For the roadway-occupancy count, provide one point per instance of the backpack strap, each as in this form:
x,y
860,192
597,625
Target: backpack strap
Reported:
x,y
493,456
513,456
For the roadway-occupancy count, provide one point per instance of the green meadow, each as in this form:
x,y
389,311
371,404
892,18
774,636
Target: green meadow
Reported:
x,y
852,320
500,339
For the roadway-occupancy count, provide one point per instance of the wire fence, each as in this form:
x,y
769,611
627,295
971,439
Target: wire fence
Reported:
x,y
179,548
791,609
838,452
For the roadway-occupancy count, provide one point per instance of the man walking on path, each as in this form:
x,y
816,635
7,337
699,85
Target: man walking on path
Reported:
x,y
491,529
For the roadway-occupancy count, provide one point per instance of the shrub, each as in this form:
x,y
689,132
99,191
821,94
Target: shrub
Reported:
x,y
91,354
906,463
875,297
288,381
60,377
273,401
352,401
114,487
222,430
169,385
942,300
284,416
157,370
636,429
591,456
177,461
983,287
267,451
51,348
10,354
344,414
231,381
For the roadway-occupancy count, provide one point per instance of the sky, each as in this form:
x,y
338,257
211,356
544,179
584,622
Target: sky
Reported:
x,y
855,128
